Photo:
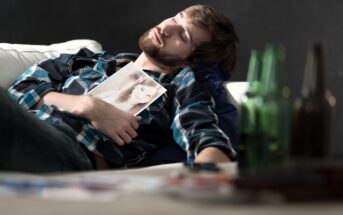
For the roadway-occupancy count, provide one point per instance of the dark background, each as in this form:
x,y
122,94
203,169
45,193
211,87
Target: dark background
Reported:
x,y
117,24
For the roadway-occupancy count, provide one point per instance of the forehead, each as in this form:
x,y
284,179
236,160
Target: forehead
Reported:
x,y
197,33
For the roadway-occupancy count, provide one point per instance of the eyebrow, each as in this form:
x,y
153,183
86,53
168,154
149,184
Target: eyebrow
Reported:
x,y
188,32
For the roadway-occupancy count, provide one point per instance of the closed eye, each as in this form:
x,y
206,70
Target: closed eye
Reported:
x,y
181,35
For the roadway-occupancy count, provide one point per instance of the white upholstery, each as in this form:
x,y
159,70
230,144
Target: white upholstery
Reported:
x,y
235,91
16,58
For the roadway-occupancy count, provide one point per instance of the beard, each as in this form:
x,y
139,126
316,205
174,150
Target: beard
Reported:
x,y
156,53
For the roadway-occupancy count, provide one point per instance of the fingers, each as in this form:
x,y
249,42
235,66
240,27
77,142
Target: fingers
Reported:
x,y
132,132
118,125
133,124
125,135
117,139
121,138
127,131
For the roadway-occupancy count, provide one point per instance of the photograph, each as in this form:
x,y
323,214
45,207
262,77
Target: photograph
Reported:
x,y
130,89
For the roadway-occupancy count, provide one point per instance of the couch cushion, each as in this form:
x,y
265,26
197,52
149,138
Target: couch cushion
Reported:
x,y
16,58
235,91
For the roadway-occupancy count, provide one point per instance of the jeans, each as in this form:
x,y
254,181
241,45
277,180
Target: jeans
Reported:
x,y
31,145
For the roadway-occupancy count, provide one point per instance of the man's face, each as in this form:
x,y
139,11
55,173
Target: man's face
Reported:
x,y
173,40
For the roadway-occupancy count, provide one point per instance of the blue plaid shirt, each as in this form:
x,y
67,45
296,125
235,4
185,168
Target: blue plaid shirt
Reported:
x,y
184,114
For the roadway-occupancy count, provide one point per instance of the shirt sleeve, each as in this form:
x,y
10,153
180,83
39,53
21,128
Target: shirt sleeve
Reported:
x,y
213,77
30,87
195,124
38,80
52,75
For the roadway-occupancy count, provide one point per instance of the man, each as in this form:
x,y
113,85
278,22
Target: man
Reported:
x,y
82,132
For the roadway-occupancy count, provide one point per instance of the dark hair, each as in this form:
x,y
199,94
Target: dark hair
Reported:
x,y
221,49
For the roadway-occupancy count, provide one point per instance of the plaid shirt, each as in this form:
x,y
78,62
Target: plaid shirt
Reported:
x,y
185,114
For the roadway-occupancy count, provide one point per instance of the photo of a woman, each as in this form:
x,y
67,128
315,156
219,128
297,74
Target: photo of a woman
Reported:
x,y
129,89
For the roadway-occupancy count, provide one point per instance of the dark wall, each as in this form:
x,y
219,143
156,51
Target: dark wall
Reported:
x,y
117,24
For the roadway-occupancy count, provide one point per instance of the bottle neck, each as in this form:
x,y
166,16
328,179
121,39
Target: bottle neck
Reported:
x,y
272,72
314,78
254,72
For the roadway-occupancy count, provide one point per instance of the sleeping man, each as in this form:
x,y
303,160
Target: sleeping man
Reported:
x,y
62,129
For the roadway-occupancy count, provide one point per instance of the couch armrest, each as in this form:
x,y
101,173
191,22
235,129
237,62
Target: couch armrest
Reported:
x,y
235,91
16,58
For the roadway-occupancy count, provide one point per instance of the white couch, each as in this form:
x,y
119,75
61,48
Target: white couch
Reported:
x,y
16,58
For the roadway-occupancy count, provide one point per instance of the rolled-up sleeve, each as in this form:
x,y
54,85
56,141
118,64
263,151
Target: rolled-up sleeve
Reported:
x,y
31,86
41,78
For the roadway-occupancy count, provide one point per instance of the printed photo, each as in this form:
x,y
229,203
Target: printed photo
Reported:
x,y
129,89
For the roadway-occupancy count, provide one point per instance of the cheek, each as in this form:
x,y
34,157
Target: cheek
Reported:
x,y
184,51
179,49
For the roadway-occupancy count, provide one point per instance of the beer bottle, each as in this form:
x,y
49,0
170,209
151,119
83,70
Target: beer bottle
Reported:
x,y
248,148
274,110
313,111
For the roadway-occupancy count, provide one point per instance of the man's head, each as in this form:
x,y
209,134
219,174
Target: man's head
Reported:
x,y
197,34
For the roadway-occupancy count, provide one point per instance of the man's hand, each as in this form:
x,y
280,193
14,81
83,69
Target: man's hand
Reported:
x,y
119,125
211,155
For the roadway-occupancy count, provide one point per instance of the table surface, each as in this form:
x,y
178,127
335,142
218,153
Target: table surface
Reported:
x,y
156,203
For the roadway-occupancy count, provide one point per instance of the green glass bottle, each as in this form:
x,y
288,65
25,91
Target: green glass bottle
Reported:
x,y
274,110
313,112
248,148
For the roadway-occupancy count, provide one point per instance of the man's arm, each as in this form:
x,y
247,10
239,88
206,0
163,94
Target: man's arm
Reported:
x,y
113,122
44,83
195,125
211,154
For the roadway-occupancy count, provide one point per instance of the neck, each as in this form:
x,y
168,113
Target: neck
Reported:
x,y
144,62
